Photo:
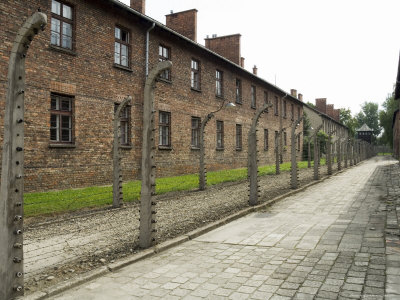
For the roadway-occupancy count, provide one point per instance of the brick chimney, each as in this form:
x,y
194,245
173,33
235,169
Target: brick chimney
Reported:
x,y
255,70
293,93
336,114
329,110
320,104
300,97
242,62
227,46
184,22
139,5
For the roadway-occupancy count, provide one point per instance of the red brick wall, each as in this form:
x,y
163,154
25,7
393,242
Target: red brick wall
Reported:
x,y
329,110
320,104
226,46
89,75
184,22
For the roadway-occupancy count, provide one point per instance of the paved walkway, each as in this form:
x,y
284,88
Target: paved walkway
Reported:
x,y
328,242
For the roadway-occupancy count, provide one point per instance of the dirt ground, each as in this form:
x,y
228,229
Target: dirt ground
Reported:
x,y
59,248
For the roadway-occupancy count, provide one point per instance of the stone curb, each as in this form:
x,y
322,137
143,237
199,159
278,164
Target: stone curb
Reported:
x,y
63,286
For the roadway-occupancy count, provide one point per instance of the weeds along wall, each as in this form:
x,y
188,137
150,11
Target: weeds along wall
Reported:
x,y
91,81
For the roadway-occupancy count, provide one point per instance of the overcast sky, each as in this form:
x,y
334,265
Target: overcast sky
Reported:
x,y
344,50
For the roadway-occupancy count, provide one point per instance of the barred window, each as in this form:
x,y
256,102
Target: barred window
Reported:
x,y
284,109
61,24
266,100
276,106
195,75
164,126
196,123
238,137
218,83
238,91
292,111
284,138
125,124
121,47
253,96
164,54
220,134
61,119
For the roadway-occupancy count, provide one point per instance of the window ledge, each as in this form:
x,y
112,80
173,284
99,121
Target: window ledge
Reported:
x,y
253,107
168,148
63,50
194,148
122,68
239,149
220,149
195,90
62,145
164,80
127,147
220,96
240,103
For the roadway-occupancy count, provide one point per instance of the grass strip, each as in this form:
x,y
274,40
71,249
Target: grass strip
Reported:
x,y
54,202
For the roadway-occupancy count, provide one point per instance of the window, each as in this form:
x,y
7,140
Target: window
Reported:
x,y
195,132
298,113
238,91
164,126
220,134
195,75
298,142
292,111
125,125
238,137
266,100
164,54
253,96
266,139
276,139
218,83
61,25
61,121
284,108
121,47
276,106
284,138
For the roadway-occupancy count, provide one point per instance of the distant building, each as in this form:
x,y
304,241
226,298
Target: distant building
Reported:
x,y
365,133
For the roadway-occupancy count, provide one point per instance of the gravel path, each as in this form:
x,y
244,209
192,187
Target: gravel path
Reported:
x,y
58,249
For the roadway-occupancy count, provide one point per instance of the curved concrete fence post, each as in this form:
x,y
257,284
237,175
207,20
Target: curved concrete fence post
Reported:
x,y
147,204
339,153
277,158
252,170
294,180
12,180
117,175
316,152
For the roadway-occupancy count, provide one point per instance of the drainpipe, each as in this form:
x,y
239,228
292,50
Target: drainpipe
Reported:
x,y
147,47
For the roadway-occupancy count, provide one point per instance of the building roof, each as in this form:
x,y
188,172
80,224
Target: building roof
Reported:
x,y
163,27
364,127
324,115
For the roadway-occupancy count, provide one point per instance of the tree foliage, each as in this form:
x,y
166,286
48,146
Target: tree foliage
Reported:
x,y
369,115
348,120
386,119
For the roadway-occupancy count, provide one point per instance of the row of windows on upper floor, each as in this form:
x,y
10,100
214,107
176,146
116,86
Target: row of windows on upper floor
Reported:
x,y
62,127
62,36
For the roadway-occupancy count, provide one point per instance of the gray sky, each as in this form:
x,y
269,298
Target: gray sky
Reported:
x,y
344,50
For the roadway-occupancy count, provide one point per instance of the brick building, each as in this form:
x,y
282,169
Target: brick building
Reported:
x,y
94,53
326,115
